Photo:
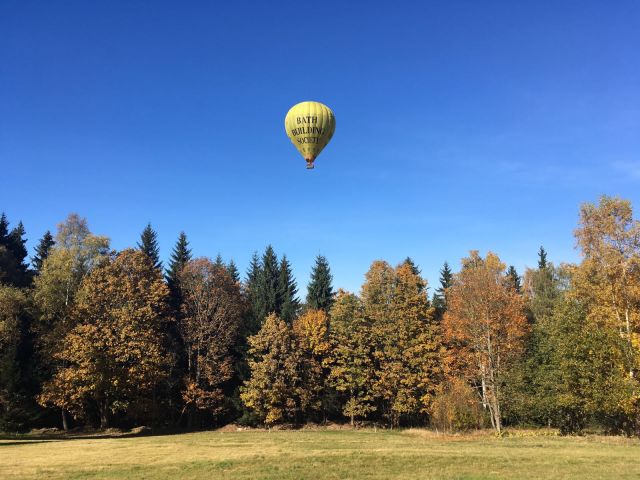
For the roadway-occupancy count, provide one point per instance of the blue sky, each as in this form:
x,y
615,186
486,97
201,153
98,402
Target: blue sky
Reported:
x,y
460,125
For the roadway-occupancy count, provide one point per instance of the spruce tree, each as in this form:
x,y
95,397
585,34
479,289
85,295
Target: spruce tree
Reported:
x,y
42,251
148,244
320,289
13,253
179,257
4,229
542,258
269,279
233,271
439,297
513,279
219,262
414,268
288,303
252,289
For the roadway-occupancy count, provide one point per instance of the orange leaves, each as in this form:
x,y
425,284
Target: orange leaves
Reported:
x,y
114,353
484,326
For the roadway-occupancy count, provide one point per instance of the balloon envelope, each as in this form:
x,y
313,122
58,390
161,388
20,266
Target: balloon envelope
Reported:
x,y
310,126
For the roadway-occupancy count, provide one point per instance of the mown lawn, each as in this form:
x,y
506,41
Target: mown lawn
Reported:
x,y
325,454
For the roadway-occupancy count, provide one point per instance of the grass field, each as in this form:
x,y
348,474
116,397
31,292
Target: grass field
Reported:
x,y
325,454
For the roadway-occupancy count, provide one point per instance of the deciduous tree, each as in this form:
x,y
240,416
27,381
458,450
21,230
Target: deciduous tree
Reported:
x,y
76,253
352,359
271,392
485,327
608,278
114,356
212,313
311,331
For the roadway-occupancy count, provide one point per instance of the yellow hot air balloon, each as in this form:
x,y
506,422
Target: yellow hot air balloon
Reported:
x,y
310,126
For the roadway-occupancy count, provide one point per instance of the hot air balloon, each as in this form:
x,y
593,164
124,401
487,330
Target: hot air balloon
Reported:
x,y
310,126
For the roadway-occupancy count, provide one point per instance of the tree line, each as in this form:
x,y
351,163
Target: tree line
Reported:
x,y
94,337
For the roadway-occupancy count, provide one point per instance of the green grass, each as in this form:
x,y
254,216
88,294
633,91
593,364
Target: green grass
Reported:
x,y
324,454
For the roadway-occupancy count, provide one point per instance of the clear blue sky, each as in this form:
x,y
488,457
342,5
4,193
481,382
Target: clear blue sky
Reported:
x,y
460,125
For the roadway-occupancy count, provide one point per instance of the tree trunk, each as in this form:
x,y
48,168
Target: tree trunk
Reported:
x,y
104,414
65,421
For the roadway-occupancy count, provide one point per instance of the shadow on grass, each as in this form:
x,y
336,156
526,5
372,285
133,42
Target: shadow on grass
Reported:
x,y
30,438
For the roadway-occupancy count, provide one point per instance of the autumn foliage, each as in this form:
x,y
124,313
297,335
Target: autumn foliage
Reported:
x,y
95,337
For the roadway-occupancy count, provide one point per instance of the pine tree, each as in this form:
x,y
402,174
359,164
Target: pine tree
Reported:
x,y
42,251
148,244
288,303
439,297
542,258
219,262
513,279
179,257
320,290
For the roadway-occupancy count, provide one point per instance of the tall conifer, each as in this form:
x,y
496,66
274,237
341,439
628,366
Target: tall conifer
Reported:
x,y
269,280
148,244
513,279
233,271
320,289
179,257
439,297
42,251
288,303
542,258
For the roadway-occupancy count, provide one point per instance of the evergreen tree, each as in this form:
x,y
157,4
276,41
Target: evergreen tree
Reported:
x,y
439,297
233,271
18,385
412,265
179,257
219,262
13,253
542,258
513,279
288,303
320,290
252,289
4,228
148,244
267,300
42,251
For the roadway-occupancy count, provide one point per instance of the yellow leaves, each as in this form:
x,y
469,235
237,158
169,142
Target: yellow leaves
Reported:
x,y
312,332
115,349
